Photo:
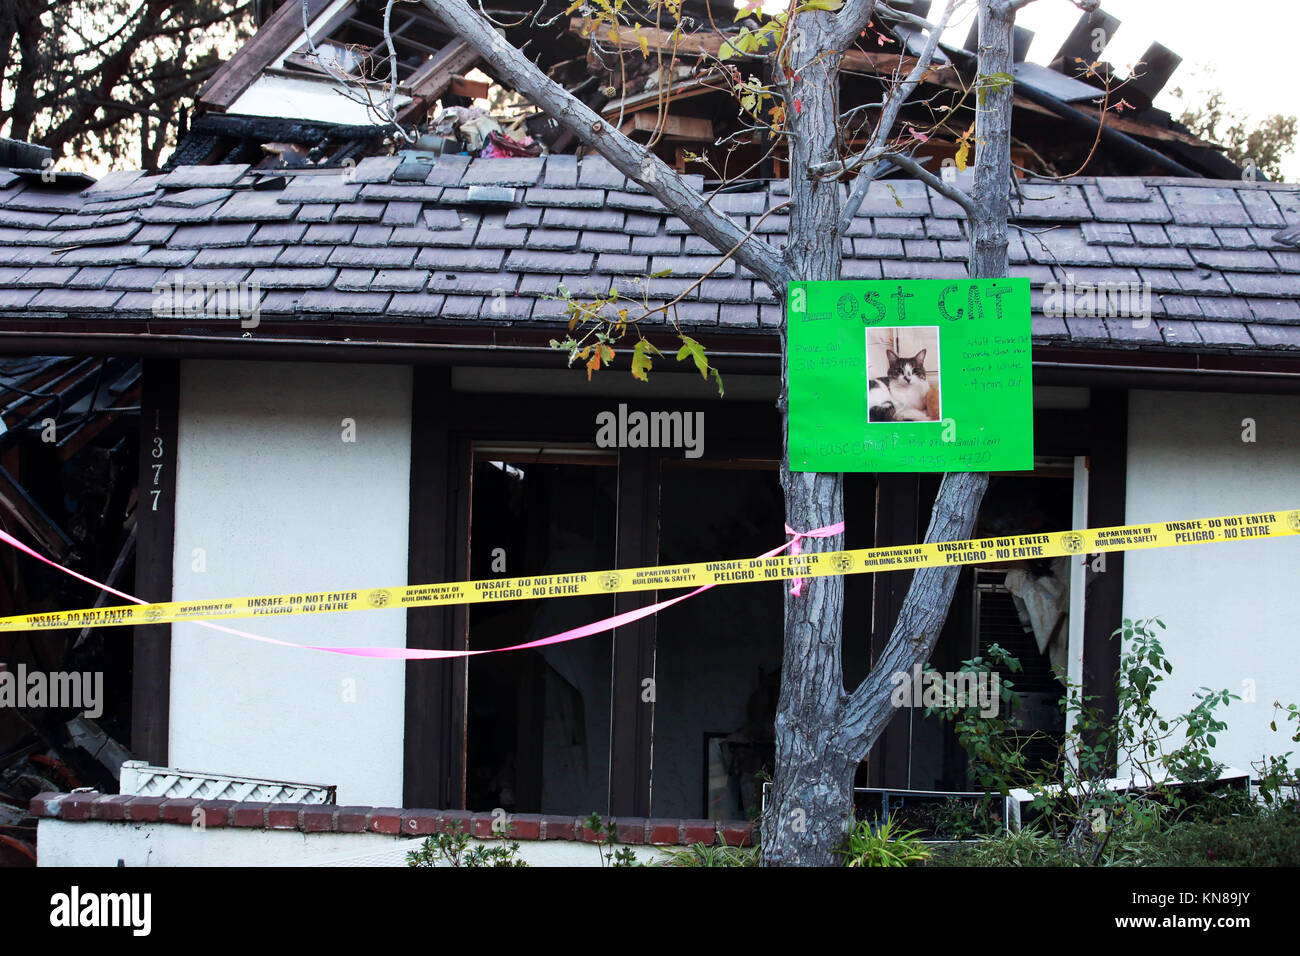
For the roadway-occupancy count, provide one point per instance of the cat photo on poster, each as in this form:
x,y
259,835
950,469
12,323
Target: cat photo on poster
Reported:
x,y
903,374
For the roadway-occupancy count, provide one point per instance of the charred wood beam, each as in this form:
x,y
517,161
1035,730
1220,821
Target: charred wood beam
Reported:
x,y
46,534
275,129
54,394
433,79
124,557
239,72
710,44
1119,141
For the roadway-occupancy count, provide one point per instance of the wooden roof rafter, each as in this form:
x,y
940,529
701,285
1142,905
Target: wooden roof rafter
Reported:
x,y
272,39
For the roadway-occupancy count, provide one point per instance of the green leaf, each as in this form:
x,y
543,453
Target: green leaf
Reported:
x,y
829,5
696,351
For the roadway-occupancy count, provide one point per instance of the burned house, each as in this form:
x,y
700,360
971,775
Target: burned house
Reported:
x,y
392,411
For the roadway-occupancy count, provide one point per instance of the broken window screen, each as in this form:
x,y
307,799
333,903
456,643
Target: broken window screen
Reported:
x,y
538,721
354,43
718,656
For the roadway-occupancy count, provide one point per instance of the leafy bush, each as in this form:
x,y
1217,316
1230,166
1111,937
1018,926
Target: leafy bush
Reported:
x,y
702,854
606,838
1082,821
883,845
1277,781
1260,838
1072,798
1028,847
452,847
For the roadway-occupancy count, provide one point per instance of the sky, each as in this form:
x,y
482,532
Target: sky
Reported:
x,y
1248,50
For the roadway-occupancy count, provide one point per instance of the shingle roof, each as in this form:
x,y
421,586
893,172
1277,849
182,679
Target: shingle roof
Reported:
x,y
392,243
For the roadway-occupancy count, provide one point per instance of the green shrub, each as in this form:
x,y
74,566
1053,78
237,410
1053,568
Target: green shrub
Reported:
x,y
883,845
452,848
1260,838
702,854
1028,847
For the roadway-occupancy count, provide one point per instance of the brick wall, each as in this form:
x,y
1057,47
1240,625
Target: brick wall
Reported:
x,y
323,818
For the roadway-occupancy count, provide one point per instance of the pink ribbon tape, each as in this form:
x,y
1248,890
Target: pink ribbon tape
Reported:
x,y
422,654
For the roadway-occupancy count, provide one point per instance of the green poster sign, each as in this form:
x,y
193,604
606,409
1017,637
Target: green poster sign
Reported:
x,y
910,375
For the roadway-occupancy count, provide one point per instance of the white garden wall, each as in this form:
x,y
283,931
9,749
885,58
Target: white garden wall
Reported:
x,y
1231,609
270,498
83,844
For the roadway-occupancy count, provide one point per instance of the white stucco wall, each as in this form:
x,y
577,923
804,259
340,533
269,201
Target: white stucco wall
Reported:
x,y
1230,608
167,844
279,502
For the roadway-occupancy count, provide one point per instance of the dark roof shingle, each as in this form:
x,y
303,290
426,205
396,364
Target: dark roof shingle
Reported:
x,y
389,241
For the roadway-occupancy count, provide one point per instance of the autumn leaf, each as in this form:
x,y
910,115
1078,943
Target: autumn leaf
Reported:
x,y
963,151
641,359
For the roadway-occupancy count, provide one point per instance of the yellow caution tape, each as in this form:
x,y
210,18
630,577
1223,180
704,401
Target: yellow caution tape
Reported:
x,y
1267,524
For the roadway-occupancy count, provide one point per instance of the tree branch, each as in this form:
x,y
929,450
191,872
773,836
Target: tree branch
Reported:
x,y
902,16
893,104
925,607
628,157
853,19
931,180
956,507
1011,6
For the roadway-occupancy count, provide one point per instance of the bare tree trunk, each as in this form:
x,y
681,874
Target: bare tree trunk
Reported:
x,y
988,239
955,509
811,802
822,732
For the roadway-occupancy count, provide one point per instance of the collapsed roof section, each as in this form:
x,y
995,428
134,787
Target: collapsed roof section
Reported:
x,y
465,250
666,88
